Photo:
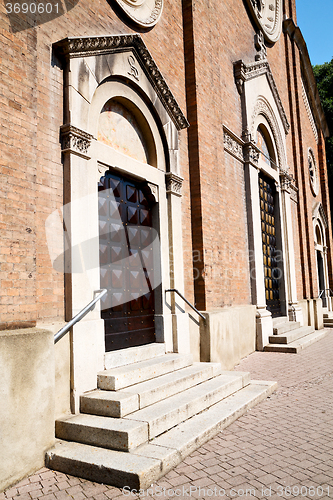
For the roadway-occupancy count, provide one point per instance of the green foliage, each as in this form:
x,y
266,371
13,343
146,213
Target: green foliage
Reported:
x,y
324,77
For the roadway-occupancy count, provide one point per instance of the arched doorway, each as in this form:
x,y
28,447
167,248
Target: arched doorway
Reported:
x,y
321,257
126,262
139,148
269,216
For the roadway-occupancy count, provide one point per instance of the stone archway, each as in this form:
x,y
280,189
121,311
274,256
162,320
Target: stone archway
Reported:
x,y
119,69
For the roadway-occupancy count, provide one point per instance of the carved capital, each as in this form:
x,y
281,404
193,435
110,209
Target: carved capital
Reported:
x,y
75,141
173,183
251,154
285,181
288,184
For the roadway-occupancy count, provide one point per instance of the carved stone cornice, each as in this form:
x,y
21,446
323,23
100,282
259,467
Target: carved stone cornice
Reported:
x,y
89,46
233,144
75,141
296,36
246,72
173,183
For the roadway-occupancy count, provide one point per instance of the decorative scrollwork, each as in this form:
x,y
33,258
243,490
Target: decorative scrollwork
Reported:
x,y
233,144
75,141
173,183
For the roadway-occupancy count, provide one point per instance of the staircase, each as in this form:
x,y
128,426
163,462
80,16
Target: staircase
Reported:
x,y
146,417
328,320
290,336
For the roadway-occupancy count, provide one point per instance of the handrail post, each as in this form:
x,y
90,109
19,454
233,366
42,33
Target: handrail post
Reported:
x,y
187,302
62,332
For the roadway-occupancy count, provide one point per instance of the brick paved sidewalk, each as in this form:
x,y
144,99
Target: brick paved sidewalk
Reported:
x,y
284,442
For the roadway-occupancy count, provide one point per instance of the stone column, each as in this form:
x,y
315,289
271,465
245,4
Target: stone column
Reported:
x,y
81,261
180,319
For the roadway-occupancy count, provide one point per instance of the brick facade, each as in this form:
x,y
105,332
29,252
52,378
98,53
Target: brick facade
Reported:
x,y
195,46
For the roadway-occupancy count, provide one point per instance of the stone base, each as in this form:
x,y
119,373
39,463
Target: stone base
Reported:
x,y
295,313
312,313
228,335
264,323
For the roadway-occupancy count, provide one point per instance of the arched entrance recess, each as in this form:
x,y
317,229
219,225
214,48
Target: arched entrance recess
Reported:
x,y
121,130
264,129
319,226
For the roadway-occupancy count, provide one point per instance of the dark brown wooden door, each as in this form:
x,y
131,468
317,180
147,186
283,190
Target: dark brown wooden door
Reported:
x,y
268,230
126,263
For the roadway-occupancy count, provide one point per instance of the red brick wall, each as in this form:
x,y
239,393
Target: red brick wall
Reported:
x,y
216,34
31,172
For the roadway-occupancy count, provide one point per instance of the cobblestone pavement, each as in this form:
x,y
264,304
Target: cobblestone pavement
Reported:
x,y
282,448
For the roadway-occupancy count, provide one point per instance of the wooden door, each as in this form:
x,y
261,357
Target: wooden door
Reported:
x,y
269,245
126,263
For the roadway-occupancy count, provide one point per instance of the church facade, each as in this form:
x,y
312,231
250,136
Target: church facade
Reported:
x,y
156,150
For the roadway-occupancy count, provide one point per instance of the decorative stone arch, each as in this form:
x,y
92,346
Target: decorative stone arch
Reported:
x,y
262,107
263,113
97,71
319,230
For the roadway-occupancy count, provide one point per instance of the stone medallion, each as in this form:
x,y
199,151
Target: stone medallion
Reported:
x,y
145,13
268,16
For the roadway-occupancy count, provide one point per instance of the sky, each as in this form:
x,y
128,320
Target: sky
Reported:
x,y
315,20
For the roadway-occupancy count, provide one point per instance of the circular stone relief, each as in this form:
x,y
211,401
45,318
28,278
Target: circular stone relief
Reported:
x,y
268,16
313,173
145,13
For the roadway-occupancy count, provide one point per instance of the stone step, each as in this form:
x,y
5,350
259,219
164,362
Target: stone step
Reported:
x,y
288,337
189,435
297,345
121,403
131,355
140,468
105,432
125,376
280,319
328,321
286,327
115,404
116,468
165,414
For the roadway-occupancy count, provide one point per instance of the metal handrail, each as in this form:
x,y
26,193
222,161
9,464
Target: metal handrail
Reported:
x,y
325,290
59,335
187,302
